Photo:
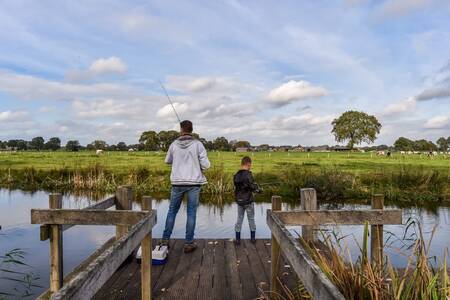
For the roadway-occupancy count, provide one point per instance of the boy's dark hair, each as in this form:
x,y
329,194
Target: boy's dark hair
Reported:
x,y
246,160
186,126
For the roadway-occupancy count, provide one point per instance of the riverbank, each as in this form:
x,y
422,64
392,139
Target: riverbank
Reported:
x,y
335,176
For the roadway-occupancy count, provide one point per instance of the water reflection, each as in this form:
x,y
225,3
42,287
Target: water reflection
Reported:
x,y
215,219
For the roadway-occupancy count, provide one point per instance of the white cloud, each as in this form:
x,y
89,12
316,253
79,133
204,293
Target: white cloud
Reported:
x,y
210,84
292,91
398,8
437,122
108,65
34,88
401,106
101,66
167,111
13,116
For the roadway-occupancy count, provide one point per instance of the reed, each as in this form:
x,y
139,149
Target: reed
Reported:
x,y
421,278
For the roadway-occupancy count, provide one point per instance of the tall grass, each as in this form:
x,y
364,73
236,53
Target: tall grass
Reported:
x,y
403,184
424,277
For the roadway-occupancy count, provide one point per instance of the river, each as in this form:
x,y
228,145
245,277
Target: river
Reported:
x,y
212,222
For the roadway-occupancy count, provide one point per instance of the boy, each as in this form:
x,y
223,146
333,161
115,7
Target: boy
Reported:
x,y
244,187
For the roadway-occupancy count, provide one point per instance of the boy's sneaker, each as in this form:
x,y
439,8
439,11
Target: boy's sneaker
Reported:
x,y
190,247
253,237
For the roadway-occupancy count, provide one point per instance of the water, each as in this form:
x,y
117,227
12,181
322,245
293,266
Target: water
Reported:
x,y
212,222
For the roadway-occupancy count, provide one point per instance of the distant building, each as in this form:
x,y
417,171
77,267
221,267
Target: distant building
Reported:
x,y
242,149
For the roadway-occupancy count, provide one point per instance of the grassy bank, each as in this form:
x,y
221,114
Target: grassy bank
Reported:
x,y
334,175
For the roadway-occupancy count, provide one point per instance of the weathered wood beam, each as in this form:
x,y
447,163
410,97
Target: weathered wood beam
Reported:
x,y
275,255
46,295
104,204
340,217
314,280
86,216
56,248
87,282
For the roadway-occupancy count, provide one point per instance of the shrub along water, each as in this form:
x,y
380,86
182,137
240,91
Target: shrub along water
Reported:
x,y
403,184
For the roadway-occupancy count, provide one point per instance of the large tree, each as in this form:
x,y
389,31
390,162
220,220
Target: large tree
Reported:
x,y
53,144
37,143
149,140
443,143
73,145
221,144
166,138
404,144
356,127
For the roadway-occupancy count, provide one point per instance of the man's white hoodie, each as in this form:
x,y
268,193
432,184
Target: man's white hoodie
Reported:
x,y
189,159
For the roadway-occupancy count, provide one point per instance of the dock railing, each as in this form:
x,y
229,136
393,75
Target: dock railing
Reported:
x,y
318,285
133,228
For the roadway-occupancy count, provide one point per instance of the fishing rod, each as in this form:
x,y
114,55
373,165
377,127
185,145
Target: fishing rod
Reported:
x,y
170,101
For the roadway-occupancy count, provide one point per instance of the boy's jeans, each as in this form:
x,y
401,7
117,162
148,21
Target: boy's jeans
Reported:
x,y
176,197
250,209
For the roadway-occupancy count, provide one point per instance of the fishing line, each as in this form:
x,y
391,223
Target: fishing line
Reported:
x,y
170,101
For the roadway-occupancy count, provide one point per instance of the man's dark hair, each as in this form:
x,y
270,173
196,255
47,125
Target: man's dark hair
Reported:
x,y
186,126
246,160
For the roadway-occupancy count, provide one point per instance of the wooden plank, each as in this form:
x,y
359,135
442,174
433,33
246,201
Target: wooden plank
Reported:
x,y
205,283
90,280
245,273
275,253
146,258
376,234
86,217
192,282
124,201
340,217
232,272
182,276
169,270
315,281
308,201
104,204
220,290
256,266
56,248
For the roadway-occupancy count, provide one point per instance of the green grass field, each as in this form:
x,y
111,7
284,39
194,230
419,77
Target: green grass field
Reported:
x,y
334,175
271,162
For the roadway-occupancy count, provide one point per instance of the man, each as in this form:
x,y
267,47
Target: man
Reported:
x,y
189,159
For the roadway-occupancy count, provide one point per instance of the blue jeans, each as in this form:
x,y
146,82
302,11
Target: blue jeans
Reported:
x,y
176,197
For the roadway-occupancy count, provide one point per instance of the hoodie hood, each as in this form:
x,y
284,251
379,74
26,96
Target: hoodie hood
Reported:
x,y
184,141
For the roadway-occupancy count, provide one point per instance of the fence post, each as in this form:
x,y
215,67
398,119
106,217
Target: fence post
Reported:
x,y
56,247
308,199
275,255
124,201
146,258
376,234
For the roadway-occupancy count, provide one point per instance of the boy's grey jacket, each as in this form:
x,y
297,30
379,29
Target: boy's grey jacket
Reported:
x,y
189,159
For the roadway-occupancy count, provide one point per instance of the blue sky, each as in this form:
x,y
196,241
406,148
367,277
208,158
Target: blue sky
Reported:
x,y
273,72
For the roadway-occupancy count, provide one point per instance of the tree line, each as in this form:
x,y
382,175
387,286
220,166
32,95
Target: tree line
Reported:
x,y
405,144
148,141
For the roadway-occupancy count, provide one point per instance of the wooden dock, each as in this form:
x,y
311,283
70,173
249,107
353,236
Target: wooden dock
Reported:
x,y
216,270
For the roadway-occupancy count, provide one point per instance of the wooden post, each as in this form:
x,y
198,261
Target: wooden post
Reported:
x,y
56,248
124,201
308,198
146,258
275,255
376,234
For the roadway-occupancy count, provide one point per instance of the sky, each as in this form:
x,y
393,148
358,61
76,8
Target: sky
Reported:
x,y
274,72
